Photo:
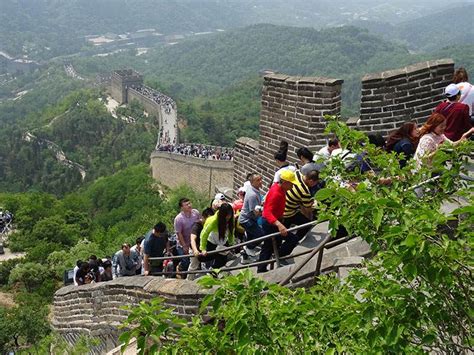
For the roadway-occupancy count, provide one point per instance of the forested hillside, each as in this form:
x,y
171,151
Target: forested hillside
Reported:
x,y
55,233
86,133
214,80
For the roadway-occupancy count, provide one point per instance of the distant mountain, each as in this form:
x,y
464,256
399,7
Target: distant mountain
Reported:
x,y
452,26
43,29
223,59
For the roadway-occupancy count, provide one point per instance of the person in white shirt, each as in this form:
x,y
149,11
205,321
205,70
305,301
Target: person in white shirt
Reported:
x,y
326,151
76,268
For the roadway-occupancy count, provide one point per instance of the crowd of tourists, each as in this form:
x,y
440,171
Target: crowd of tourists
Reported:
x,y
289,201
157,97
198,151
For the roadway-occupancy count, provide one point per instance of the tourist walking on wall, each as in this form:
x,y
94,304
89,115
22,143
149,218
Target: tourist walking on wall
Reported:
x,y
280,161
457,114
325,152
125,262
273,211
251,211
432,136
196,241
155,245
403,140
217,233
299,202
183,224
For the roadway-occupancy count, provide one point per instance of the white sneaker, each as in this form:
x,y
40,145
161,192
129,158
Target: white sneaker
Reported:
x,y
250,252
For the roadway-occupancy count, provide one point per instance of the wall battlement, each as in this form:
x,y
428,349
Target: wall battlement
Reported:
x,y
293,109
395,96
95,309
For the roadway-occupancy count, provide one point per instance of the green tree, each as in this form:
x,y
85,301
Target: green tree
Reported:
x,y
30,275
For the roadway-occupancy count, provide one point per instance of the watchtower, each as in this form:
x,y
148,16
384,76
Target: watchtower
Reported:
x,y
121,81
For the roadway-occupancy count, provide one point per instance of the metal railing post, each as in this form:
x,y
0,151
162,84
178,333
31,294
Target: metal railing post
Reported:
x,y
319,262
275,251
305,261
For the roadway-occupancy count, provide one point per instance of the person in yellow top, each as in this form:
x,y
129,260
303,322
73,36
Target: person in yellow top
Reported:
x,y
299,202
218,232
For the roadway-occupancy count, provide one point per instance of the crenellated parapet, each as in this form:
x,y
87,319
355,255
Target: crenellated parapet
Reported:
x,y
293,109
395,96
97,310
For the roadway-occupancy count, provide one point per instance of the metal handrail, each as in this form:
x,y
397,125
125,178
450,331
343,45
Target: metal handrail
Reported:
x,y
305,261
327,245
256,240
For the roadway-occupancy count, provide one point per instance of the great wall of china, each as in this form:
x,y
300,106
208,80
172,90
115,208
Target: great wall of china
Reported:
x,y
293,109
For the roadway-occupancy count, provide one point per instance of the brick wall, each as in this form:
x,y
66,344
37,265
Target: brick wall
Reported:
x,y
121,79
95,309
245,155
293,109
201,174
396,96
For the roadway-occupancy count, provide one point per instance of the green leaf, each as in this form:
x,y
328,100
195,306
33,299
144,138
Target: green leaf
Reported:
x,y
378,215
410,240
323,194
428,339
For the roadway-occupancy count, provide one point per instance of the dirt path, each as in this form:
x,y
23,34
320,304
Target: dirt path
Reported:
x,y
9,255
6,300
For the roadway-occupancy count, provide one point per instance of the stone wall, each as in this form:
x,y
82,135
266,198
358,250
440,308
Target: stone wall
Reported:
x,y
245,160
293,109
95,309
121,80
395,96
149,105
202,175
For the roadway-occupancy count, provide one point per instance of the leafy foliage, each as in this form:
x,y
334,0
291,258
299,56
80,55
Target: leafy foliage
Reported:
x,y
23,325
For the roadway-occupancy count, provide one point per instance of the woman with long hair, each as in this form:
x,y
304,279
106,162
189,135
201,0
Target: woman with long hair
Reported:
x,y
432,136
403,140
217,233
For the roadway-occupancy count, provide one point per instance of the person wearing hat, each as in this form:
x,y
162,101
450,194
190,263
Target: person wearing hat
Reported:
x,y
219,199
273,216
456,113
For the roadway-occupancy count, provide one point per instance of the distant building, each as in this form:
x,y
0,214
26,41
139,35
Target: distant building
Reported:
x,y
121,81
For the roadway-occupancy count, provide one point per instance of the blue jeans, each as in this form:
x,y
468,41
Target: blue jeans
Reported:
x,y
183,263
253,231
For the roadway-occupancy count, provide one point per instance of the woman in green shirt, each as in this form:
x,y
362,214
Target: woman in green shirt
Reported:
x,y
218,232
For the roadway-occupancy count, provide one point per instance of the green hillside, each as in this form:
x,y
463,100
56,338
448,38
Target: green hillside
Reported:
x,y
214,79
86,133
44,29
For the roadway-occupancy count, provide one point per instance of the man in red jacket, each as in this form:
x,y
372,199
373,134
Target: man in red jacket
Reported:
x,y
456,113
273,211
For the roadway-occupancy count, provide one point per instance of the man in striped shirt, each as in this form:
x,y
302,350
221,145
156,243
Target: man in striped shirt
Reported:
x,y
299,202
